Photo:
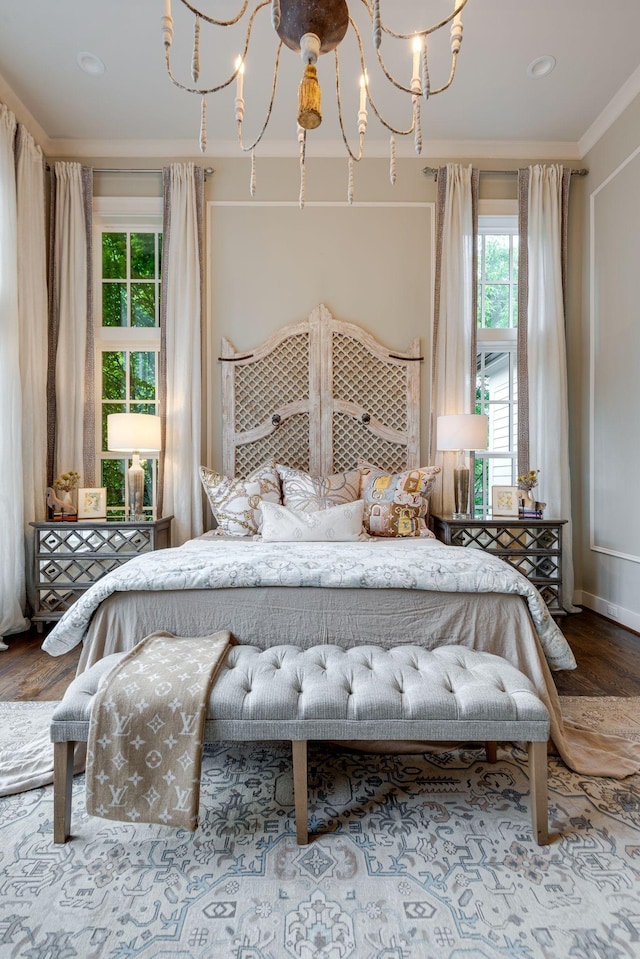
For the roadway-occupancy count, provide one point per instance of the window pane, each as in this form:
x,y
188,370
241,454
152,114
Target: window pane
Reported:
x,y
496,258
142,372
143,304
108,408
113,479
496,306
114,256
143,255
114,304
159,254
113,376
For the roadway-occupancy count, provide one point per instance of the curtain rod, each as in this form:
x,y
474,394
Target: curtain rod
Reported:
x,y
433,171
208,171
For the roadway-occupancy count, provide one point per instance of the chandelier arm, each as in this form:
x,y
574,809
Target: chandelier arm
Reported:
x,y
421,33
454,60
221,86
352,155
391,129
248,149
212,20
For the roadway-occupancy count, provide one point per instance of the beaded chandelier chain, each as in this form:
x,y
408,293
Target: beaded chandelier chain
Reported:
x,y
311,28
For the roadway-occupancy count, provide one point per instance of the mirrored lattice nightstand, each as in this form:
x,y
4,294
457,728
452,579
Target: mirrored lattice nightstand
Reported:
x,y
70,557
533,546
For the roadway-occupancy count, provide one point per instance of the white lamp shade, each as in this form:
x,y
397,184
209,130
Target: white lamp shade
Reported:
x,y
133,432
463,431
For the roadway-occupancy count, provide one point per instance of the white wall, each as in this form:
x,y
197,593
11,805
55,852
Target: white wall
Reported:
x,y
604,341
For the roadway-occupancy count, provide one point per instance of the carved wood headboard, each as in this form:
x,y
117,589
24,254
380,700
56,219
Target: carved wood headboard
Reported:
x,y
319,395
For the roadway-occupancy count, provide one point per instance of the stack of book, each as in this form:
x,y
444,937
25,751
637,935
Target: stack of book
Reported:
x,y
527,512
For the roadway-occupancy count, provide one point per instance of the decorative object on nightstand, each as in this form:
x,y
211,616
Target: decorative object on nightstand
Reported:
x,y
529,505
532,546
134,433
462,432
71,557
59,496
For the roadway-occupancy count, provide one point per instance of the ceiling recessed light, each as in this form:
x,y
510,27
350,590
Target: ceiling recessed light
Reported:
x,y
541,67
90,63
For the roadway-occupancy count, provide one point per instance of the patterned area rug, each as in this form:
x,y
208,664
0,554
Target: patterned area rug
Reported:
x,y
415,858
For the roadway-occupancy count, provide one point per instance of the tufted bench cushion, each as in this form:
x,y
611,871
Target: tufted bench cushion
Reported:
x,y
363,693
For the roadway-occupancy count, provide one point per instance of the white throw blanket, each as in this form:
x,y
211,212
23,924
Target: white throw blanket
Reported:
x,y
379,564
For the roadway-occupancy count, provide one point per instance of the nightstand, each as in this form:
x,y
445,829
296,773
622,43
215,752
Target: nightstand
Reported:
x,y
533,546
70,557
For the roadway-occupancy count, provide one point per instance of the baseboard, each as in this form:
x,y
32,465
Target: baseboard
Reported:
x,y
625,617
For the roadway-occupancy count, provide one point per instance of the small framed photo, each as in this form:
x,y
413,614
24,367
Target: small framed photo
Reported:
x,y
504,500
92,503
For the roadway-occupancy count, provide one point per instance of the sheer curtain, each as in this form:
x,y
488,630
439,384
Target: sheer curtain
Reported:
x,y
180,492
71,402
543,197
12,561
454,320
32,306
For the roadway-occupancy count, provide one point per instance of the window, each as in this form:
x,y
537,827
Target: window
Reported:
x,y
128,267
496,369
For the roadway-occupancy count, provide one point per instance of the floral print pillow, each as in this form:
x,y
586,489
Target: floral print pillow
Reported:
x,y
306,493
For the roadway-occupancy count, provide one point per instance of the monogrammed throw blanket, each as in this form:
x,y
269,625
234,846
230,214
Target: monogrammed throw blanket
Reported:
x,y
144,753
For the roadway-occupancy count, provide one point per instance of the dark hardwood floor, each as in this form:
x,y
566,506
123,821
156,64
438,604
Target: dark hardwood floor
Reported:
x,y
608,659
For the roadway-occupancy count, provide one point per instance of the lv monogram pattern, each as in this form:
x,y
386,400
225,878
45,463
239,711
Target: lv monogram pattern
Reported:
x,y
144,753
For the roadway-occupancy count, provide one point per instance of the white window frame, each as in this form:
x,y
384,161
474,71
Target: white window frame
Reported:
x,y
499,217
113,214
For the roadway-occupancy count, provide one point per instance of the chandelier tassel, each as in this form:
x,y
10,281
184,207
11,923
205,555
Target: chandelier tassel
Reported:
x,y
302,135
253,173
275,14
426,80
309,99
418,125
350,188
392,161
203,125
195,60
377,28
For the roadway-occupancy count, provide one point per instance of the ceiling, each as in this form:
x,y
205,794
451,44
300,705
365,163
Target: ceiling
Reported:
x,y
493,108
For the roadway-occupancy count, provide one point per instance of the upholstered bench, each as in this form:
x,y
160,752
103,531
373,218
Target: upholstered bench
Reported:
x,y
450,694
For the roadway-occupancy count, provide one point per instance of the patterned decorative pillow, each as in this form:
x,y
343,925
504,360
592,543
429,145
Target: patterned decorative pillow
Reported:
x,y
235,503
397,504
342,523
300,491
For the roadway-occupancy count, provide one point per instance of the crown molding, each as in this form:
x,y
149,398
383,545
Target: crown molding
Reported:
x,y
450,149
24,116
615,107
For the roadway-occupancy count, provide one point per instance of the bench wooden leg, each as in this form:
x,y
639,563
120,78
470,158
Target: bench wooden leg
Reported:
x,y
62,787
539,792
491,750
299,749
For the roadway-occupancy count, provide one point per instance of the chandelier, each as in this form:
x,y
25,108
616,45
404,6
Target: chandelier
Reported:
x,y
311,28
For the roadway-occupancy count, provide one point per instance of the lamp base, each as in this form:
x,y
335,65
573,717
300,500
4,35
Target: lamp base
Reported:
x,y
135,479
461,492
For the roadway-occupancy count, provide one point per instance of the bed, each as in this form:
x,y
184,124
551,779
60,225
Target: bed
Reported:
x,y
330,402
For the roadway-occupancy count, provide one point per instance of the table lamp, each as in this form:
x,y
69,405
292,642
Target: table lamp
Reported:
x,y
462,432
134,433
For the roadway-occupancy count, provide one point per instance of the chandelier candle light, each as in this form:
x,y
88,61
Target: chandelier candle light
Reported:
x,y
134,433
462,432
311,28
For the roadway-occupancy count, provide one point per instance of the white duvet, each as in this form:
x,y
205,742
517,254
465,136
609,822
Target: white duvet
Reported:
x,y
214,562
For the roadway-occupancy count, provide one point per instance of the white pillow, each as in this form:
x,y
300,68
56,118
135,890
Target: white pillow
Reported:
x,y
338,524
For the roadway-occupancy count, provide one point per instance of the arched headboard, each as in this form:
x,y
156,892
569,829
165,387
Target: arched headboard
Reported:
x,y
319,395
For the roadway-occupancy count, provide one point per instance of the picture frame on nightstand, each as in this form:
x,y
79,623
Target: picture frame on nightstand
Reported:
x,y
92,503
504,501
